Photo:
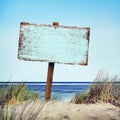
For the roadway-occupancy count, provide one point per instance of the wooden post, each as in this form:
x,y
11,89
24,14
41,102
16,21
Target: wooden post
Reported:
x,y
49,81
50,76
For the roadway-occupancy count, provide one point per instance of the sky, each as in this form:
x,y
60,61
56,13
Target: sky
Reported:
x,y
102,16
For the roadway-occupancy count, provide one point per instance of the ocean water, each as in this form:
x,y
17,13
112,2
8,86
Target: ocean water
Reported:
x,y
63,91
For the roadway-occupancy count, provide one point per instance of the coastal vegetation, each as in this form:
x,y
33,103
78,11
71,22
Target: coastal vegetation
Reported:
x,y
104,89
16,93
13,95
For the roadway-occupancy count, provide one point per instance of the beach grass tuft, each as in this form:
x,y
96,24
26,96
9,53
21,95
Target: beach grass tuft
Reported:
x,y
104,89
13,95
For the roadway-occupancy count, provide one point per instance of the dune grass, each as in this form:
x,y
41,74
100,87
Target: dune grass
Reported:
x,y
19,103
104,89
13,95
24,111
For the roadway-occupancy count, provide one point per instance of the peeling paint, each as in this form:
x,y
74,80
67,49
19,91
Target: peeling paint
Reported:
x,y
44,43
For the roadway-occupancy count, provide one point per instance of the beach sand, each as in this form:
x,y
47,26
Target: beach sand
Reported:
x,y
58,110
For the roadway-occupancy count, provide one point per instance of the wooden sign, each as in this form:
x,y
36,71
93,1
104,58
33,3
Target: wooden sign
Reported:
x,y
53,44
56,44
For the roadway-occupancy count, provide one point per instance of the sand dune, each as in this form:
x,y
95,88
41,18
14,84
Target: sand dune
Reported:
x,y
57,110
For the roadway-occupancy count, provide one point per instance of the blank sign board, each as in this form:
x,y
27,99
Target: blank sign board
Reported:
x,y
57,44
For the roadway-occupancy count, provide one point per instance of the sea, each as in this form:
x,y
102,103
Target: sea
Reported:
x,y
63,91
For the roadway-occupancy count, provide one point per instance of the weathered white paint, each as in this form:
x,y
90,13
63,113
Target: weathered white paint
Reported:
x,y
48,43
